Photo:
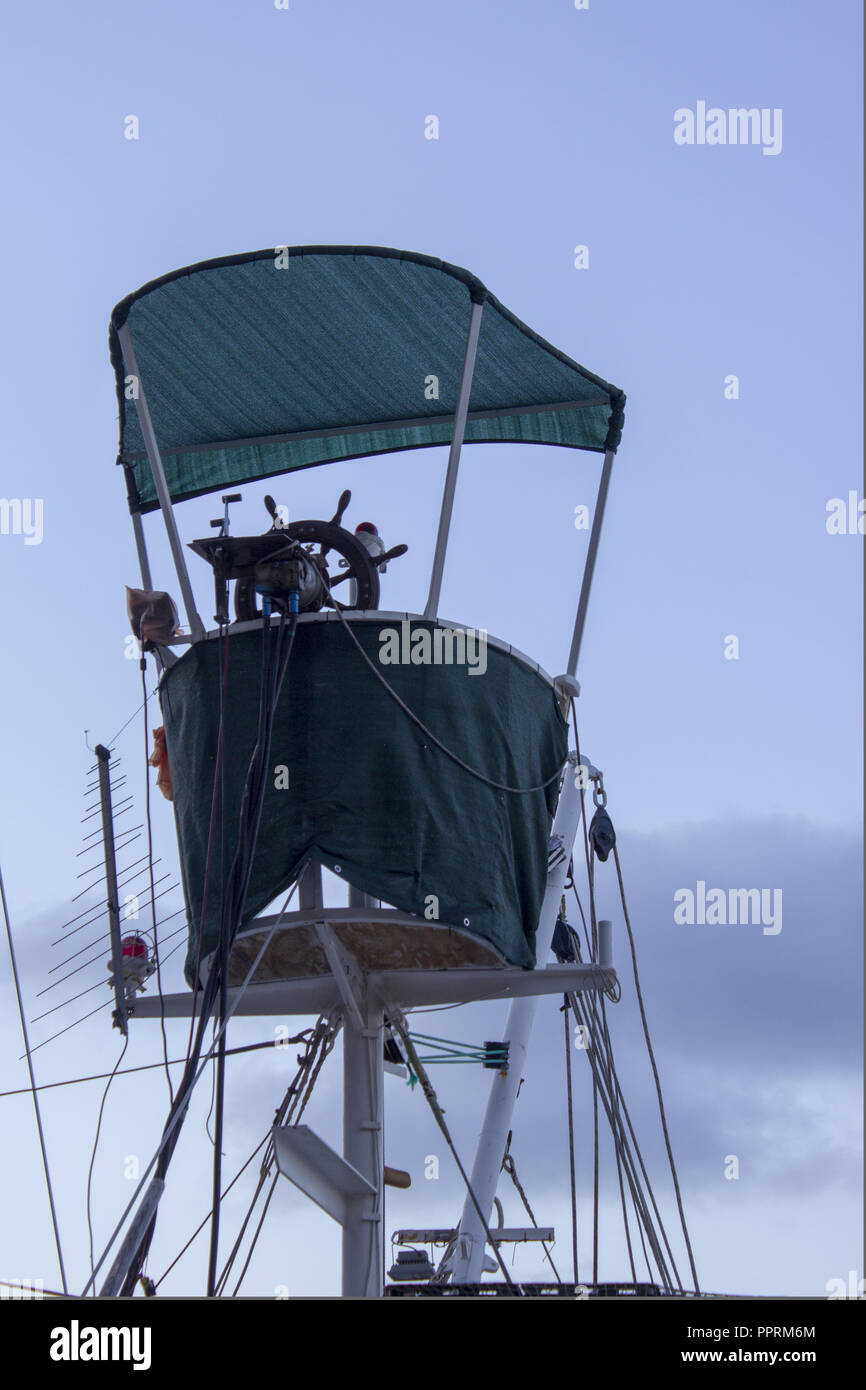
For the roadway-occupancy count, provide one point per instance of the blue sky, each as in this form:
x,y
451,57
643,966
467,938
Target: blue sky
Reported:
x,y
262,127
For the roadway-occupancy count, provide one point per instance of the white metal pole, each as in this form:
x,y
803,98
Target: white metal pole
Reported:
x,y
196,625
143,561
453,460
363,1112
469,1259
589,567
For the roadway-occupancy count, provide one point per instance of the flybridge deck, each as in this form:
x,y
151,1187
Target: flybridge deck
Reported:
x,y
421,763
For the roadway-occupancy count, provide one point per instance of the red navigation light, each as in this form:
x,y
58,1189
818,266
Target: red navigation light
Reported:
x,y
134,946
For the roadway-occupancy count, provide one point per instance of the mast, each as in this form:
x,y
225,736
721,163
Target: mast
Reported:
x,y
469,1259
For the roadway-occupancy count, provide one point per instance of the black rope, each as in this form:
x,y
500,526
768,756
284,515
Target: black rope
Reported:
x,y
152,883
96,1142
571,1137
32,1081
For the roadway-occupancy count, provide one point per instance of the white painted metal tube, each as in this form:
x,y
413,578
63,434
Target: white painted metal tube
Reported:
x,y
196,625
453,460
143,561
589,567
469,1259
363,1112
605,944
131,1241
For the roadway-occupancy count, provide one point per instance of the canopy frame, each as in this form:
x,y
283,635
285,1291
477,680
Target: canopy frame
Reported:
x,y
196,625
125,361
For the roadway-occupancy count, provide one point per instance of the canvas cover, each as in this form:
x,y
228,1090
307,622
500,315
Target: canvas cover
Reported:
x,y
263,363
368,794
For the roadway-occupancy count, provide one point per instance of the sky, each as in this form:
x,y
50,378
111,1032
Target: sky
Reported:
x,y
261,126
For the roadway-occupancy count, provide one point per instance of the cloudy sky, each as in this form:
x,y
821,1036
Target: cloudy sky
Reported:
x,y
263,127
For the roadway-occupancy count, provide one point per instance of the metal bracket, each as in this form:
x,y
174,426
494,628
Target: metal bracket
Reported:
x,y
347,976
319,1172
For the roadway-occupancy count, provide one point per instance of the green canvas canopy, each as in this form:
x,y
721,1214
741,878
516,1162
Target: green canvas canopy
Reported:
x,y
290,357
372,797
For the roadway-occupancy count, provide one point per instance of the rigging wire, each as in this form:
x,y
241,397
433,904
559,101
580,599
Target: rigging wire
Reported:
x,y
510,1168
152,884
274,666
217,787
607,1062
250,815
206,1218
644,1220
621,1140
148,1066
655,1071
565,1012
182,1097
640,1202
32,1080
110,745
318,1046
396,1021
597,1058
96,1142
597,1029
597,1062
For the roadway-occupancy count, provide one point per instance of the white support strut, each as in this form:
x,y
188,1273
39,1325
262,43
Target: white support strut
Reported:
x,y
154,458
363,1150
460,415
469,1256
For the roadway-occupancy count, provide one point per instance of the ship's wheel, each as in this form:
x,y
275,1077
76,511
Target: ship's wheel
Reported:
x,y
289,564
318,582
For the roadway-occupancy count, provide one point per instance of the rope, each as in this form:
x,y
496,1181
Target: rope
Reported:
x,y
617,1154
570,1138
32,1080
655,1071
131,717
638,1198
96,1141
455,1051
497,786
152,884
319,1044
206,1218
179,1112
430,1096
510,1169
625,1140
217,782
148,1066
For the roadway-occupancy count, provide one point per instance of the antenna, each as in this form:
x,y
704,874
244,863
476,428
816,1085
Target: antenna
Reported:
x,y
120,1014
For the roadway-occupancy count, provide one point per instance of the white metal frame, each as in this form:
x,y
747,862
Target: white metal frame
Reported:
x,y
432,606
589,567
154,458
351,1188
468,1262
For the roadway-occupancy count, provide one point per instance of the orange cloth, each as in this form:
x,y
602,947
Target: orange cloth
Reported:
x,y
159,760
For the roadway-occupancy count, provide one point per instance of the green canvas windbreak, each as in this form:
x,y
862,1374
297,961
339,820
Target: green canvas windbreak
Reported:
x,y
368,793
286,358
